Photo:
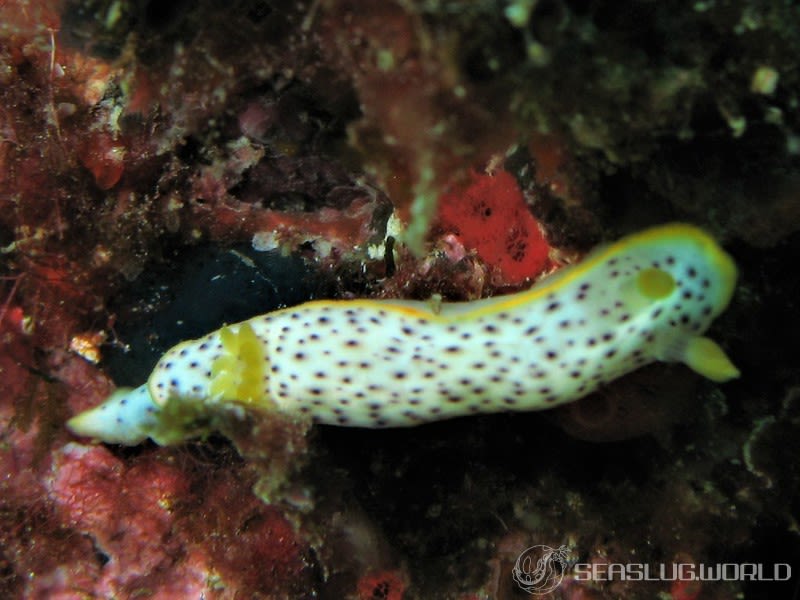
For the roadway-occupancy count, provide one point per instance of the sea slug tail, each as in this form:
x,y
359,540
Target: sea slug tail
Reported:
x,y
126,417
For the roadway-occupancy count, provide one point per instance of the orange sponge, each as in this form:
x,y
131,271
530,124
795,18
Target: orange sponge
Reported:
x,y
490,215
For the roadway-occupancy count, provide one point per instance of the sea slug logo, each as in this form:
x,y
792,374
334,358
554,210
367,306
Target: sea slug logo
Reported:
x,y
539,569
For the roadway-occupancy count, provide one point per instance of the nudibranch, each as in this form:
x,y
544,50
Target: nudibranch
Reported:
x,y
392,363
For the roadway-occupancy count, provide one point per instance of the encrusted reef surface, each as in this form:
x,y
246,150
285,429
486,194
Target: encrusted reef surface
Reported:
x,y
167,167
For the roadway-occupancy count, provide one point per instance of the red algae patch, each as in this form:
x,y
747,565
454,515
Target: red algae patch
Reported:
x,y
125,511
160,526
490,216
104,158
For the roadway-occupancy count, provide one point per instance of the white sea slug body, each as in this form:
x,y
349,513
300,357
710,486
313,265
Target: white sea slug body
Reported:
x,y
385,363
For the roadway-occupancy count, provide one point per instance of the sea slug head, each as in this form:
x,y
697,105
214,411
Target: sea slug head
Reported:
x,y
679,279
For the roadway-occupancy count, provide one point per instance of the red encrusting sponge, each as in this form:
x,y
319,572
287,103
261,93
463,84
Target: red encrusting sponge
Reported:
x,y
490,215
382,585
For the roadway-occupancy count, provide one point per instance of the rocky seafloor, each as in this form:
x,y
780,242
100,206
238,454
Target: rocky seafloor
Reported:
x,y
169,167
